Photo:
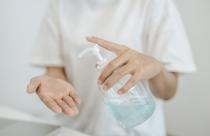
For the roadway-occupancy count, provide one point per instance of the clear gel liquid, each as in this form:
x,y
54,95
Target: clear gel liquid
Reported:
x,y
130,113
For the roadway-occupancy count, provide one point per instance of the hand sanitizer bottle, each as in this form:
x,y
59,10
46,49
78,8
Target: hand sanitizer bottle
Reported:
x,y
130,109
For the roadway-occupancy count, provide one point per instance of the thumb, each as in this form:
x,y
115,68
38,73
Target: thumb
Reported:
x,y
33,85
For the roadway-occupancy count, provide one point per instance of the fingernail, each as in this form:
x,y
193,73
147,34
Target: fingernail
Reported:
x,y
78,100
120,92
57,110
70,114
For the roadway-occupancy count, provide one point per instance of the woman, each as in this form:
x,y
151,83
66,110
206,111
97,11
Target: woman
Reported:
x,y
148,39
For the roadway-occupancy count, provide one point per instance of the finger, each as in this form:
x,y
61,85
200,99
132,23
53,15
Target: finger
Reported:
x,y
50,103
71,103
111,66
113,47
66,109
33,85
74,95
117,75
129,84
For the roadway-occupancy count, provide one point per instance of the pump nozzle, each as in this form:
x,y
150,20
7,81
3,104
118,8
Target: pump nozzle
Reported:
x,y
94,50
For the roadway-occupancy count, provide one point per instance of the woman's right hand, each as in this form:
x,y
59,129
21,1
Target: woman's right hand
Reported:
x,y
57,94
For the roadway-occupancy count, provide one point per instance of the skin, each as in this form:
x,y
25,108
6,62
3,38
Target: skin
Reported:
x,y
55,91
60,96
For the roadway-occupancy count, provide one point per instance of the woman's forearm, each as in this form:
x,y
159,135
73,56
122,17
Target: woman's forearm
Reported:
x,y
164,85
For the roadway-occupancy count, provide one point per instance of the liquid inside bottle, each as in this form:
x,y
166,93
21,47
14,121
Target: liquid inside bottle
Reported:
x,y
130,110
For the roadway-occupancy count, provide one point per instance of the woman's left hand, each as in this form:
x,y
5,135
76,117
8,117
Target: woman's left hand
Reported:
x,y
128,61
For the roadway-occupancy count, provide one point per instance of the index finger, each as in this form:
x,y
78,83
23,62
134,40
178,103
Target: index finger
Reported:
x,y
113,47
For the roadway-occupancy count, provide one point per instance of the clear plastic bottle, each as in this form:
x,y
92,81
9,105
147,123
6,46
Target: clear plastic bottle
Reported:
x,y
130,109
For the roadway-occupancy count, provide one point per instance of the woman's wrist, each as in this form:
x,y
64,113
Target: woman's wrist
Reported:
x,y
164,84
58,73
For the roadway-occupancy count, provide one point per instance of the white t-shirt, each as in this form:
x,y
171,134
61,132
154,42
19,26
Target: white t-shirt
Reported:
x,y
152,27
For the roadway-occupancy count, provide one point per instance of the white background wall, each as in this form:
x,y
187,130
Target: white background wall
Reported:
x,y
19,21
187,115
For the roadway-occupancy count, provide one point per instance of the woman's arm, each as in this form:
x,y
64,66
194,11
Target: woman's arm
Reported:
x,y
164,85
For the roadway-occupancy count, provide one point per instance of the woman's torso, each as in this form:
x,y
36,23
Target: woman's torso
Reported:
x,y
120,21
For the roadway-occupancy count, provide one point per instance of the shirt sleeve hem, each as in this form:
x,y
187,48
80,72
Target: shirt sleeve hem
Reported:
x,y
40,62
181,70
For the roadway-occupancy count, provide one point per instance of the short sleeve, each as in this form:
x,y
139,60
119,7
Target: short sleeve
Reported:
x,y
166,38
47,51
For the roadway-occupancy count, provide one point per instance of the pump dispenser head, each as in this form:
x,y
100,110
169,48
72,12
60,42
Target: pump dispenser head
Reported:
x,y
94,50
